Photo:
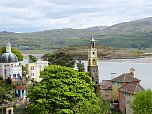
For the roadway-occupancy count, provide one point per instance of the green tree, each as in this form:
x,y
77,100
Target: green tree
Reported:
x,y
59,58
80,66
6,91
142,103
15,51
32,58
63,91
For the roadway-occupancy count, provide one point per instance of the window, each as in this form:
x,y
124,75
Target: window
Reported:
x,y
32,67
32,74
93,53
106,92
123,101
14,75
9,111
18,75
92,79
93,62
93,44
113,83
89,61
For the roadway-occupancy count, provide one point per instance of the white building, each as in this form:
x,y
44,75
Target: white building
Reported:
x,y
9,65
33,69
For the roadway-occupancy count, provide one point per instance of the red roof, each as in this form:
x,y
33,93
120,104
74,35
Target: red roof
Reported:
x,y
106,84
131,88
21,87
126,77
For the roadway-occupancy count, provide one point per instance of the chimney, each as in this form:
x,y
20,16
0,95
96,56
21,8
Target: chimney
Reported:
x,y
132,71
113,75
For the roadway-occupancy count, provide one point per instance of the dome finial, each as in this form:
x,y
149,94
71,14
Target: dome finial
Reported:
x,y
92,39
8,47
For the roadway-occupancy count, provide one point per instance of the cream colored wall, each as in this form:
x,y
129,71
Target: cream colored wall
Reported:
x,y
38,66
115,92
9,108
92,56
29,71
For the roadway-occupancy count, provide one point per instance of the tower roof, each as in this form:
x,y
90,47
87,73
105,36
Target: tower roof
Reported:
x,y
92,39
131,88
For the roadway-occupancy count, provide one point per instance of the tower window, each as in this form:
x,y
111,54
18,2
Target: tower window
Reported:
x,y
93,62
92,79
93,53
89,61
93,44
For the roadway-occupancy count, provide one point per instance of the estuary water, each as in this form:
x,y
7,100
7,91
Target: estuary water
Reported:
x,y
108,69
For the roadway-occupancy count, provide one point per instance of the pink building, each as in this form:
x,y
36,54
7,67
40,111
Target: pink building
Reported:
x,y
126,94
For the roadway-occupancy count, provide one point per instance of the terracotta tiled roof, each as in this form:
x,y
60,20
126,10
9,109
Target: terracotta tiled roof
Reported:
x,y
127,77
131,88
106,84
21,87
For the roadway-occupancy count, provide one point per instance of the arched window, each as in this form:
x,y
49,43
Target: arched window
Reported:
x,y
9,111
89,61
93,62
93,44
92,79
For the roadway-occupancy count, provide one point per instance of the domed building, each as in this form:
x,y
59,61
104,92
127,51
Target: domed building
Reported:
x,y
9,65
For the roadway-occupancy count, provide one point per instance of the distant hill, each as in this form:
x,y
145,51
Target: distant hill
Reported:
x,y
134,34
96,28
141,25
6,32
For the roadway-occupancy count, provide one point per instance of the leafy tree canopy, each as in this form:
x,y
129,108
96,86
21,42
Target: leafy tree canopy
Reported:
x,y
15,51
32,58
6,91
63,91
142,103
59,58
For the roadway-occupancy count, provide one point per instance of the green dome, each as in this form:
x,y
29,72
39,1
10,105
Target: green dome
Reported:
x,y
8,58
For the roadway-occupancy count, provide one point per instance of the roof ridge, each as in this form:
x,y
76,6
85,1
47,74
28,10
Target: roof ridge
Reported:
x,y
123,86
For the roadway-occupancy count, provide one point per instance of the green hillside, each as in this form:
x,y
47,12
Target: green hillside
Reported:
x,y
134,34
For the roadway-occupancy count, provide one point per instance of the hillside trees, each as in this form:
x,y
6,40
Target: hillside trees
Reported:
x,y
59,58
63,91
142,103
15,51
80,66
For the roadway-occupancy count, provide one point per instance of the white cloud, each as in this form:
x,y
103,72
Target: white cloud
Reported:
x,y
35,15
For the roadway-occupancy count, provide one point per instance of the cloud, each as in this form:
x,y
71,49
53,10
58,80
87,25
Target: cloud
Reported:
x,y
35,15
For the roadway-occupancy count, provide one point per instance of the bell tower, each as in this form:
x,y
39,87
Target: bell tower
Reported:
x,y
93,62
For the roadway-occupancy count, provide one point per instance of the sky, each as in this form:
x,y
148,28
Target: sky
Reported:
x,y
39,15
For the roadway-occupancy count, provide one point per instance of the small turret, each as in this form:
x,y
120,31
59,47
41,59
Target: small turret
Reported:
x,y
132,71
